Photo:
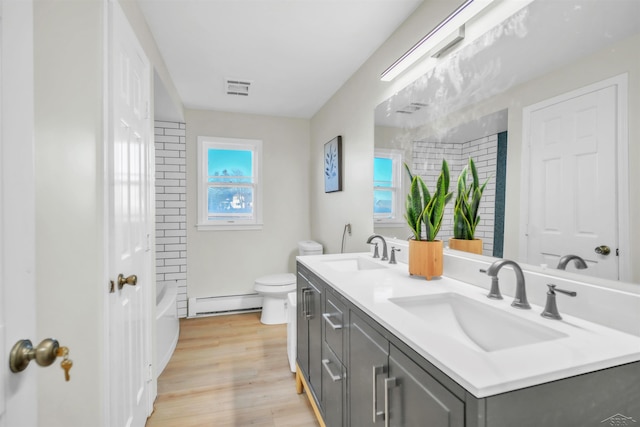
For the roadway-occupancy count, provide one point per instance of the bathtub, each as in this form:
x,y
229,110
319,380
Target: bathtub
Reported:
x,y
167,326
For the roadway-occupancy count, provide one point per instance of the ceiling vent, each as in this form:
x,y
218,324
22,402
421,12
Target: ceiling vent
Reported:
x,y
411,108
237,87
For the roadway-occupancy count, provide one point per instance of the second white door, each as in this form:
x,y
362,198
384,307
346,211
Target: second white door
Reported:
x,y
572,194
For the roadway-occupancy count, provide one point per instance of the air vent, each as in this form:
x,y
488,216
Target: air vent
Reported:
x,y
237,87
411,108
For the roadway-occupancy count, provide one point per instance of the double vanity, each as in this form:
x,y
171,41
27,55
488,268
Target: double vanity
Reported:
x,y
377,346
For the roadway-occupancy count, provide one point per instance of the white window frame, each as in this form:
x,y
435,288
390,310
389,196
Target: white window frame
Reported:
x,y
204,222
396,218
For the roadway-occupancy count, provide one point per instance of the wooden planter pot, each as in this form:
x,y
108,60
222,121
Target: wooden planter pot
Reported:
x,y
473,246
425,258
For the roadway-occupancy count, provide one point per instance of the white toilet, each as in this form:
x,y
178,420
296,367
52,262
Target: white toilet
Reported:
x,y
274,288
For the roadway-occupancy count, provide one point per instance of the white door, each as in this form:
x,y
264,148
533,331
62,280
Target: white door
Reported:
x,y
129,305
18,392
573,198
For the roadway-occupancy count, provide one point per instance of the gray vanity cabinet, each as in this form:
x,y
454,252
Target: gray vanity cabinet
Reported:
x,y
361,374
309,327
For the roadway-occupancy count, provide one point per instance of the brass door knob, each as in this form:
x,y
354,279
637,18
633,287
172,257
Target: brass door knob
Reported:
x,y
23,352
130,280
603,250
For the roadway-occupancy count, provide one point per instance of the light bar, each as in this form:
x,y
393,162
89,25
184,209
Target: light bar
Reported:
x,y
436,37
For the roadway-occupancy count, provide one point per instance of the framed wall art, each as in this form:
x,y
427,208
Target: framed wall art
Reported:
x,y
333,165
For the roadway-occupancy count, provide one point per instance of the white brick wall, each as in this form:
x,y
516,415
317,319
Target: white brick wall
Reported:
x,y
426,162
171,209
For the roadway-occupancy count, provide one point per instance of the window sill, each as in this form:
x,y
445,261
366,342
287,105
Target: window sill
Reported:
x,y
389,224
229,227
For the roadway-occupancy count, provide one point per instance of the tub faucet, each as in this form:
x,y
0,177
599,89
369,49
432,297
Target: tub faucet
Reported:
x,y
577,261
384,246
520,300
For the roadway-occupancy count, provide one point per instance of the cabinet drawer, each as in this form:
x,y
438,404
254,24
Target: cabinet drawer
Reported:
x,y
333,318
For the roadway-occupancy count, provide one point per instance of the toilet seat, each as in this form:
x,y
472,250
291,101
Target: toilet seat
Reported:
x,y
285,279
275,284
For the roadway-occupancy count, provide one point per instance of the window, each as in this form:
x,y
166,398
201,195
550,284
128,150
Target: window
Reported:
x,y
229,185
387,186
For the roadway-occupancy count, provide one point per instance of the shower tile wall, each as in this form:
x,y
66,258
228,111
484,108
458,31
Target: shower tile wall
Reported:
x,y
426,162
171,207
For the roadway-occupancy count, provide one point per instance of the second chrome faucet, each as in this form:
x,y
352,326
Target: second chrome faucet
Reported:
x,y
384,246
520,300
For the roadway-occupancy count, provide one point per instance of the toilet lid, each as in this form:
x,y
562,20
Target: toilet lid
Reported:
x,y
277,279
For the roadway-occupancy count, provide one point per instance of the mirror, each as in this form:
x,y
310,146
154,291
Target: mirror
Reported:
x,y
478,93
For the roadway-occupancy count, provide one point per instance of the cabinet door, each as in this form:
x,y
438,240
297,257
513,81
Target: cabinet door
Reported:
x,y
367,367
309,329
333,388
302,325
314,317
415,398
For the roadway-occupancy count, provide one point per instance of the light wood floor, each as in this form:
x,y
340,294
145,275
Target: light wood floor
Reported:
x,y
230,371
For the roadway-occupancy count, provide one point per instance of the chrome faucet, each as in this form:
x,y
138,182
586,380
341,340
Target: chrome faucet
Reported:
x,y
520,300
384,246
551,308
392,260
577,261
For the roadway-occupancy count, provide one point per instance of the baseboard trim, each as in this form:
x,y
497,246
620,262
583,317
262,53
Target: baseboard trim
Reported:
x,y
212,306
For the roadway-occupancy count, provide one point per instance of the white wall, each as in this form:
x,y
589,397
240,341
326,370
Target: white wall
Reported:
x,y
349,113
227,262
69,205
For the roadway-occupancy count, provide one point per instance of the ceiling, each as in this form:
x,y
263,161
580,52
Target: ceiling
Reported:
x,y
295,53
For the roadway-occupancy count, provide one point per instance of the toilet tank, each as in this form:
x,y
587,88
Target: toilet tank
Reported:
x,y
309,247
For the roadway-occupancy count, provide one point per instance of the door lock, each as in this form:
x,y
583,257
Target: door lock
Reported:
x,y
44,354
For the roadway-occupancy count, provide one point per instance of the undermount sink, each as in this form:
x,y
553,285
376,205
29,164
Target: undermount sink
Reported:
x,y
476,324
354,264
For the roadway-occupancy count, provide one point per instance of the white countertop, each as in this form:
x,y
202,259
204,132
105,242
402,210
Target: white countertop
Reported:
x,y
586,347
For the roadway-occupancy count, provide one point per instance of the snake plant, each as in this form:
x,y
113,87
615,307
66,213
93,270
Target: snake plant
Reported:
x,y
424,209
465,210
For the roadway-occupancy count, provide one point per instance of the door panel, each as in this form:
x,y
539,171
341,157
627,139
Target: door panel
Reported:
x,y
129,306
572,184
18,393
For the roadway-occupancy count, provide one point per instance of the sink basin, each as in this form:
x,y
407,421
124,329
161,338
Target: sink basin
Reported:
x,y
354,264
478,325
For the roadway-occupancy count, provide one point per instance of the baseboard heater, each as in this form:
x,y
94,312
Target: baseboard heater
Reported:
x,y
212,306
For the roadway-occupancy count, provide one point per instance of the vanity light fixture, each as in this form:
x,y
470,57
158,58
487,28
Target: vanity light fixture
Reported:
x,y
446,34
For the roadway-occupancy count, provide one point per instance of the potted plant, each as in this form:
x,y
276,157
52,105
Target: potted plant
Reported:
x,y
465,211
424,209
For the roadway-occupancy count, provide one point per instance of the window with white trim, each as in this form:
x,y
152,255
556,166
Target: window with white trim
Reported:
x,y
387,186
229,184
